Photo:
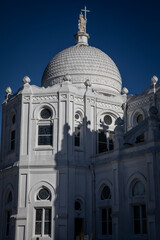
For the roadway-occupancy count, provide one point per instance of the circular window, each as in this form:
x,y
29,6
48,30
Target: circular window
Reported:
x,y
139,118
45,113
77,117
77,206
107,119
106,193
44,194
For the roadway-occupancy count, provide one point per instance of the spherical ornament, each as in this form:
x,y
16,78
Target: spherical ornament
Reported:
x,y
154,80
8,90
26,79
125,90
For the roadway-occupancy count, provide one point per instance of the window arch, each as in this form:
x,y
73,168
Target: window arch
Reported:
x,y
105,211
12,131
78,127
42,197
45,126
138,207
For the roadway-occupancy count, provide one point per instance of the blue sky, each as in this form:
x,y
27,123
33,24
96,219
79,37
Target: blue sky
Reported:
x,y
33,32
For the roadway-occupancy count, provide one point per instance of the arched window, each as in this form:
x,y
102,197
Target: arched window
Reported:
x,y
105,212
106,133
139,208
43,213
78,129
45,127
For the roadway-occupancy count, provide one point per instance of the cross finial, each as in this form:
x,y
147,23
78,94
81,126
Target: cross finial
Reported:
x,y
85,12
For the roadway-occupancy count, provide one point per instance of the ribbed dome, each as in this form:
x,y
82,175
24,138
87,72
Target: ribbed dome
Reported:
x,y
84,62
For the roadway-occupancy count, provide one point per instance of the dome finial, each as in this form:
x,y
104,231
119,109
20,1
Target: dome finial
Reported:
x,y
82,36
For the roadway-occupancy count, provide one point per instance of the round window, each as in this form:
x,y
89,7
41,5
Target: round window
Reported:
x,y
45,113
139,118
106,193
77,117
107,119
44,194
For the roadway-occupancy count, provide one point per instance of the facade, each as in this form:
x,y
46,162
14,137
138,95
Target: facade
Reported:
x,y
79,157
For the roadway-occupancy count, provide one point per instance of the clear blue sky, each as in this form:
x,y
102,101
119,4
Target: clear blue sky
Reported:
x,y
33,32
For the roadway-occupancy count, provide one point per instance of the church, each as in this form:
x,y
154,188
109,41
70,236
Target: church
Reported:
x,y
80,157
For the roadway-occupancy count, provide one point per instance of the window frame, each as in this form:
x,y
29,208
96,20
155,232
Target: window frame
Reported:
x,y
108,144
43,221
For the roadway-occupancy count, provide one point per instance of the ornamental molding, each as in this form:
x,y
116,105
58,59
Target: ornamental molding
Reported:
x,y
140,102
43,98
79,99
63,96
109,106
26,98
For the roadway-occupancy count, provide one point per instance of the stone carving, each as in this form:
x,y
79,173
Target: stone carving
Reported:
x,y
81,23
26,98
8,91
26,80
49,97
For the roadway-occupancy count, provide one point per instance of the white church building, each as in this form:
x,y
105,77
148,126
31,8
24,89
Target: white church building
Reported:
x,y
80,158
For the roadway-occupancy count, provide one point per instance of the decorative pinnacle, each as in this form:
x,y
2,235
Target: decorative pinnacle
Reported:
x,y
26,80
8,91
82,37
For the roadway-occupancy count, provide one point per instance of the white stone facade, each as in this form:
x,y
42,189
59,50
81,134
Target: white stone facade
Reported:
x,y
70,167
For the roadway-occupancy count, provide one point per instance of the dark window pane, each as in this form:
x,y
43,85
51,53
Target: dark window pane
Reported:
x,y
136,212
44,194
9,197
44,130
143,211
8,213
107,119
45,113
102,137
104,228
38,229
48,214
104,214
38,214
77,137
106,193
45,140
47,228
13,140
77,205
137,226
144,227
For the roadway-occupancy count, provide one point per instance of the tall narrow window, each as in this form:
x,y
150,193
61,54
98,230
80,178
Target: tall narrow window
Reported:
x,y
140,219
105,141
13,133
8,220
77,137
43,221
45,135
106,221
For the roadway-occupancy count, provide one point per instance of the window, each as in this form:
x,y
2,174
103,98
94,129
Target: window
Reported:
x,y
13,139
43,213
106,193
140,219
78,129
138,189
139,208
8,213
105,141
44,194
139,118
140,138
45,135
107,120
106,221
77,137
8,221
43,221
46,113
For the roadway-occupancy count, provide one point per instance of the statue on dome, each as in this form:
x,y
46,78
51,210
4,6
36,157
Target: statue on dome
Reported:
x,y
81,23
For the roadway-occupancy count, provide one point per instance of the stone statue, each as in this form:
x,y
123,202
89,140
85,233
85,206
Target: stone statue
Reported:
x,y
81,24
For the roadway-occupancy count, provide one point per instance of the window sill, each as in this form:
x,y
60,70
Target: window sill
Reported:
x,y
43,148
